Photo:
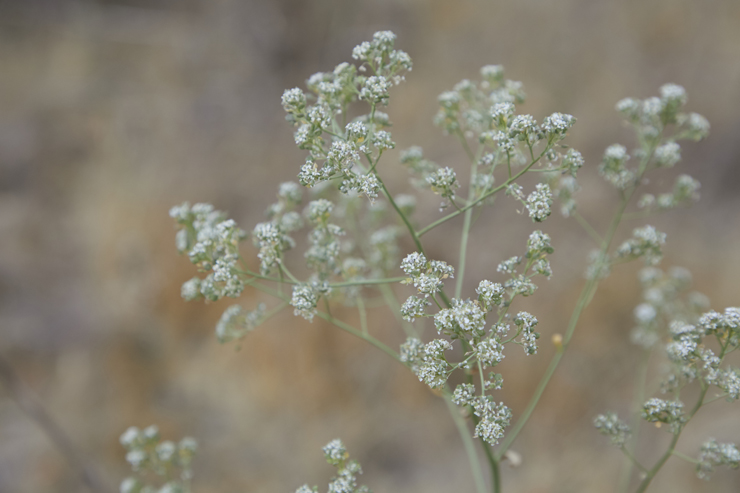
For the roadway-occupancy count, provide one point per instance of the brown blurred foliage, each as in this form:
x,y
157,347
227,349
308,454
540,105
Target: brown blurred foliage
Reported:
x,y
112,111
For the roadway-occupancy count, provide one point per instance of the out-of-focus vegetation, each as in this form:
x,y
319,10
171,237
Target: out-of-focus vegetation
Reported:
x,y
111,112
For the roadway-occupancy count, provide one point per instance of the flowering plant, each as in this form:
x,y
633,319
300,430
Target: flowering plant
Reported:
x,y
354,225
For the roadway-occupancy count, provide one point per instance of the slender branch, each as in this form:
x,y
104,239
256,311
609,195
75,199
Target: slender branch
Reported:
x,y
468,215
409,226
584,299
288,273
390,299
671,448
637,400
468,443
341,284
632,459
367,282
480,199
589,229
367,337
651,473
684,457
363,314
32,407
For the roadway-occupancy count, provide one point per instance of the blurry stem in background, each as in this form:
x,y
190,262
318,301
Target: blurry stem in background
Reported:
x,y
390,300
462,428
363,314
588,228
32,407
637,400
468,214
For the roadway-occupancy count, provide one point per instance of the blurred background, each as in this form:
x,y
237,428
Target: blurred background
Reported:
x,y
113,111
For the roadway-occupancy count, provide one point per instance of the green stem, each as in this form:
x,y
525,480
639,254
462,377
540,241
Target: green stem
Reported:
x,y
274,311
363,314
366,337
367,282
637,400
480,199
589,229
632,459
671,448
403,217
288,273
651,473
468,216
685,457
468,443
342,284
390,299
585,298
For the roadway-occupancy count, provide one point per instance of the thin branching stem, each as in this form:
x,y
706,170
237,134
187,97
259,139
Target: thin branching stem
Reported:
x,y
34,409
480,199
584,299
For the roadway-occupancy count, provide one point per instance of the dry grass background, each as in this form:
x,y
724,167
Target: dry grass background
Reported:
x,y
112,111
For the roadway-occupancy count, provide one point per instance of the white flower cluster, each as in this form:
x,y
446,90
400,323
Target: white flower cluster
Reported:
x,y
384,250
646,243
464,394
421,169
335,452
685,191
613,167
294,101
427,276
538,246
272,238
375,90
539,203
610,425
324,248
381,56
494,418
557,125
714,454
272,242
501,113
489,294
524,128
489,352
509,266
212,243
428,361
150,457
526,322
663,294
443,182
304,301
414,308
347,471
236,323
573,161
661,411
665,314
475,108
465,319
334,92
695,126
652,115
668,154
